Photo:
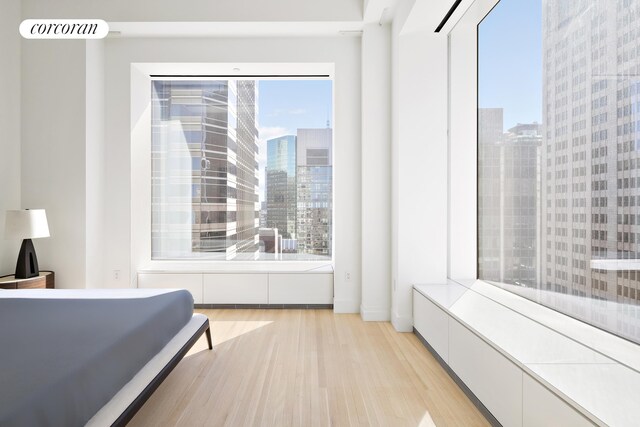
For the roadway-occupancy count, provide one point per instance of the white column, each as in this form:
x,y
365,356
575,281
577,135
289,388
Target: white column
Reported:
x,y
376,172
419,167
463,244
95,169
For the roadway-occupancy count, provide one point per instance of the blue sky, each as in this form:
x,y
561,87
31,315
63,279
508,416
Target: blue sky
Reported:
x,y
292,104
510,61
286,105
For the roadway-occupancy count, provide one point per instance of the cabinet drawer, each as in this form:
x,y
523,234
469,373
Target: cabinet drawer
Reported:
x,y
190,282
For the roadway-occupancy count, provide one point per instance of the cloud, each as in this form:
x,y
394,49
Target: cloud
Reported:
x,y
266,133
287,112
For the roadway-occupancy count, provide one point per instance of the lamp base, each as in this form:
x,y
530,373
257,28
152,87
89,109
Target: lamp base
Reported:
x,y
27,265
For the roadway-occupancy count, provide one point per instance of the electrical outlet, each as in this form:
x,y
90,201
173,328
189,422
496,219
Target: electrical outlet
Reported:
x,y
347,276
116,274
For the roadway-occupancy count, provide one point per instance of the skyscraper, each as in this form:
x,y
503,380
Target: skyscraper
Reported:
x,y
508,200
281,185
205,168
521,204
490,242
590,147
314,188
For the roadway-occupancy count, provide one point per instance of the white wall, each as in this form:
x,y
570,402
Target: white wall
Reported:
x,y
63,153
376,172
53,152
75,124
53,148
95,166
419,166
343,51
9,127
80,173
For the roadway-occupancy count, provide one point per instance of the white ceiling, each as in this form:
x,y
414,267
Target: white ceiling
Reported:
x,y
234,29
429,13
375,11
197,10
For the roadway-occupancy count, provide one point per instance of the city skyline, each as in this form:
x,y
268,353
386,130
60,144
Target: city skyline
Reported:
x,y
208,171
299,194
287,105
508,200
581,203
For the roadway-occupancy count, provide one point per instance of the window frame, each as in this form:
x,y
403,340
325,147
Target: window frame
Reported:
x,y
142,75
479,11
462,51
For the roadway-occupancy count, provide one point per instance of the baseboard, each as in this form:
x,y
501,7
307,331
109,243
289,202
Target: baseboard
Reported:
x,y
271,306
374,314
345,306
402,323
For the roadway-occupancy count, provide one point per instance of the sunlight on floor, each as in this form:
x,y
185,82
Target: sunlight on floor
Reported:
x,y
232,329
237,328
426,421
307,367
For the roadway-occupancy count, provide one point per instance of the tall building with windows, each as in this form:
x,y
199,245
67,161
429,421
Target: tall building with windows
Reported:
x,y
490,134
508,200
521,170
205,168
314,188
280,188
590,148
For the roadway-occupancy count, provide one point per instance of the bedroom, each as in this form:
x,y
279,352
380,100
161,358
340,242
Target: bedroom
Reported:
x,y
403,210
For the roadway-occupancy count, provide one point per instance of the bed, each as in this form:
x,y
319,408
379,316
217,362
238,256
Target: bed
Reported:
x,y
76,357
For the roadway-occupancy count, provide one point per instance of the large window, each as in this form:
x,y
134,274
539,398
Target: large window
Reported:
x,y
241,169
559,156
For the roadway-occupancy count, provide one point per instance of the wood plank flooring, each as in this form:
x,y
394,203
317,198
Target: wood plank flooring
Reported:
x,y
307,368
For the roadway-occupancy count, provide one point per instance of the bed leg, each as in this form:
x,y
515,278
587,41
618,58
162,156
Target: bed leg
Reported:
x,y
208,332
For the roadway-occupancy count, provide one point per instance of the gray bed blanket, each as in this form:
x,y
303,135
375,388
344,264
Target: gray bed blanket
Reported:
x,y
61,360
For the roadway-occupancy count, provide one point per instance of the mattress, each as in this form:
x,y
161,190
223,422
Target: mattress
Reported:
x,y
65,354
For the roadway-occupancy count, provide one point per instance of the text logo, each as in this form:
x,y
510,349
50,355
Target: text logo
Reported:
x,y
64,29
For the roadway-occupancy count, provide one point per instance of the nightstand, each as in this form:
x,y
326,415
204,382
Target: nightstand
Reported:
x,y
46,279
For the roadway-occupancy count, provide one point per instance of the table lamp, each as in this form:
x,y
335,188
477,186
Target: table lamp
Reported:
x,y
26,224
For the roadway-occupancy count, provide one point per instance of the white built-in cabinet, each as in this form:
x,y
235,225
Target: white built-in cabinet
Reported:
x,y
511,394
247,288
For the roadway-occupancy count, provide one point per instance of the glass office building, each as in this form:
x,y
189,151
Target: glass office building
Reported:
x,y
281,185
314,187
204,169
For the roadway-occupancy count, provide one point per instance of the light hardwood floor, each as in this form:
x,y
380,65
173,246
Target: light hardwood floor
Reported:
x,y
307,368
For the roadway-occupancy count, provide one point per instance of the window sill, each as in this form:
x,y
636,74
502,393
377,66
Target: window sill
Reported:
x,y
593,371
238,267
621,317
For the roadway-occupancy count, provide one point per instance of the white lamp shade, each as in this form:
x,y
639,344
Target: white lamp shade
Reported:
x,y
26,224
